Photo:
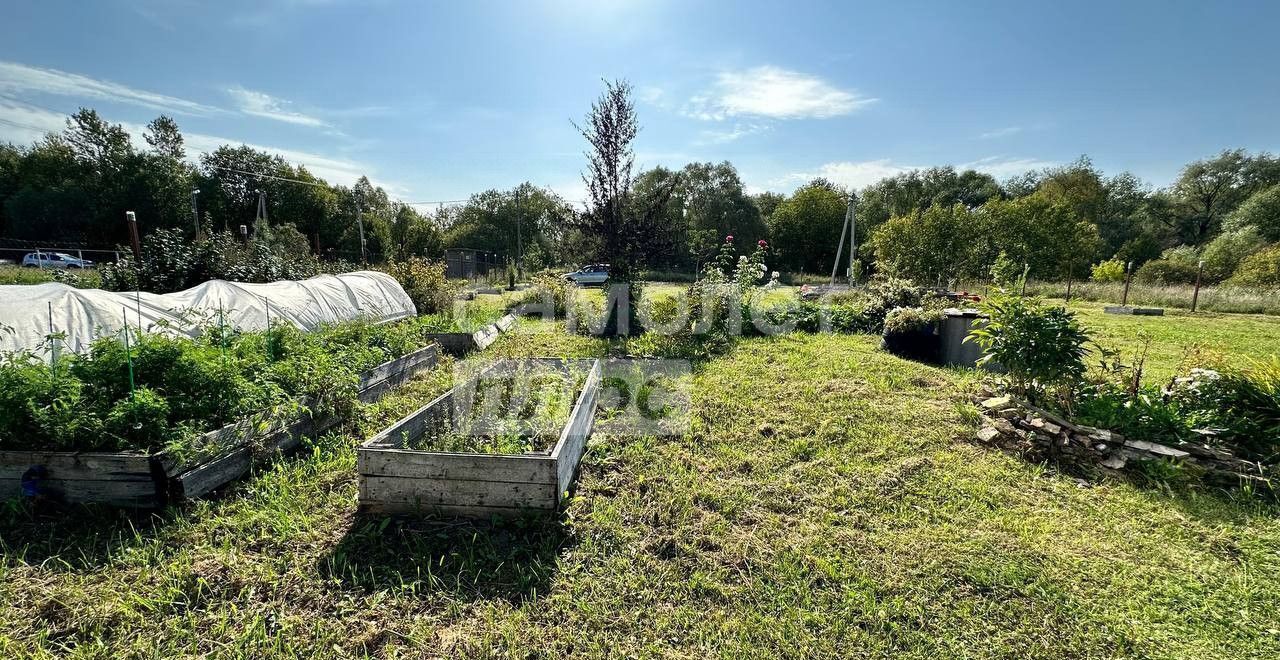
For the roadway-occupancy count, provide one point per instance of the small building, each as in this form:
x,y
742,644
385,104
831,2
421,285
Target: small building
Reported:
x,y
466,263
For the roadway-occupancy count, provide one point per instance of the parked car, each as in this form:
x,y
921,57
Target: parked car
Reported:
x,y
596,274
54,260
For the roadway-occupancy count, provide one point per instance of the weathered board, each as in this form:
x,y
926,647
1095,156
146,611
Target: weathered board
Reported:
x,y
395,480
461,343
134,479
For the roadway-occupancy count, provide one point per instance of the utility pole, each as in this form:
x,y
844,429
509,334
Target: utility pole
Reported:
x,y
853,236
845,229
519,237
364,258
261,216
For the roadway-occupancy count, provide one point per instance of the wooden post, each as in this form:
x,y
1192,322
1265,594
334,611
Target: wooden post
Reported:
x,y
1195,297
1128,277
1026,271
132,220
1071,277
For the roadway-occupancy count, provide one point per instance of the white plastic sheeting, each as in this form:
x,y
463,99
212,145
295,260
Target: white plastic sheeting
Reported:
x,y
28,313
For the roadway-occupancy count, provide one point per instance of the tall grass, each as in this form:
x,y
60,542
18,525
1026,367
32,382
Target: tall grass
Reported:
x,y
1236,300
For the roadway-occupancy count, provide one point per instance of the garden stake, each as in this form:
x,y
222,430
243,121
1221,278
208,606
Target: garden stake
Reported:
x,y
1071,275
1128,277
1195,297
53,344
222,334
1026,270
128,355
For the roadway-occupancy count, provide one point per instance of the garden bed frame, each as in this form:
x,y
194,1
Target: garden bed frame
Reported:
x,y
141,480
395,480
461,343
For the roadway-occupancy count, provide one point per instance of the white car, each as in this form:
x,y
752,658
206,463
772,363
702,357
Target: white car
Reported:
x,y
595,274
54,260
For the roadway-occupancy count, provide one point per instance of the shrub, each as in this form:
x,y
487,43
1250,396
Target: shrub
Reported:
x,y
1043,347
1166,271
1261,212
172,262
1004,271
1222,256
1108,271
426,284
549,293
1262,268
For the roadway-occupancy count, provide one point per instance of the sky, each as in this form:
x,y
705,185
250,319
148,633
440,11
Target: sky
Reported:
x,y
438,100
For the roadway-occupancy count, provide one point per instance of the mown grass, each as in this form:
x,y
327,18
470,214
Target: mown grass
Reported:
x,y
83,279
825,502
1180,340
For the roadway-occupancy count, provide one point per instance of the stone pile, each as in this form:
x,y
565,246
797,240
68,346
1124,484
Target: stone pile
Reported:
x,y
1015,425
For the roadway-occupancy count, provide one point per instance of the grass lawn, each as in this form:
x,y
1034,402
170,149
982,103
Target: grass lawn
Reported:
x,y
823,503
1230,338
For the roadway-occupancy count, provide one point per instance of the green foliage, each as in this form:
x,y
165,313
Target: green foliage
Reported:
x,y
1176,266
935,245
1260,212
903,320
1111,270
1262,268
164,391
1042,347
805,227
548,294
172,262
1004,272
1223,254
425,283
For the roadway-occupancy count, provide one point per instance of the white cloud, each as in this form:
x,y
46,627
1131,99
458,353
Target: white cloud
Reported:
x,y
849,174
738,131
1002,167
1000,132
24,124
775,93
20,78
859,174
260,104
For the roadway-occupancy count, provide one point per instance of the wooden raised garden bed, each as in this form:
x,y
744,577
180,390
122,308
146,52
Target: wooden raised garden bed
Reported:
x,y
137,479
396,479
461,343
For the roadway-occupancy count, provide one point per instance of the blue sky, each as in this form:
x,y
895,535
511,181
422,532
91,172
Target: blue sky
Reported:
x,y
437,100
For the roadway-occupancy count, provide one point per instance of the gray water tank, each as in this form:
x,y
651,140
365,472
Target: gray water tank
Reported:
x,y
956,325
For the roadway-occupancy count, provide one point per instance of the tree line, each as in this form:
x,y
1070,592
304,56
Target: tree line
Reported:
x,y
933,225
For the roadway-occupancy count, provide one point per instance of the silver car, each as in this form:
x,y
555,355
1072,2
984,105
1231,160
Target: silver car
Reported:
x,y
592,275
54,260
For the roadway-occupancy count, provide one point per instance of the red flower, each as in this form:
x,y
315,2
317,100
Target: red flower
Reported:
x,y
762,243
728,239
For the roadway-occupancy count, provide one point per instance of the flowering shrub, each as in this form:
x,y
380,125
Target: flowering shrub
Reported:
x,y
425,282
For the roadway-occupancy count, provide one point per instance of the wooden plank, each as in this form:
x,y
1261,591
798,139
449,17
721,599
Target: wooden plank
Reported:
x,y
425,493
116,492
485,336
573,440
214,474
438,410
371,507
415,362
77,461
432,465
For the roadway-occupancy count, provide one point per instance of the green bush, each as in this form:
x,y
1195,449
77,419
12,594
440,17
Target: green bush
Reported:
x,y
547,293
1222,256
172,262
1260,212
1166,271
426,284
902,320
1262,268
1042,347
1108,271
